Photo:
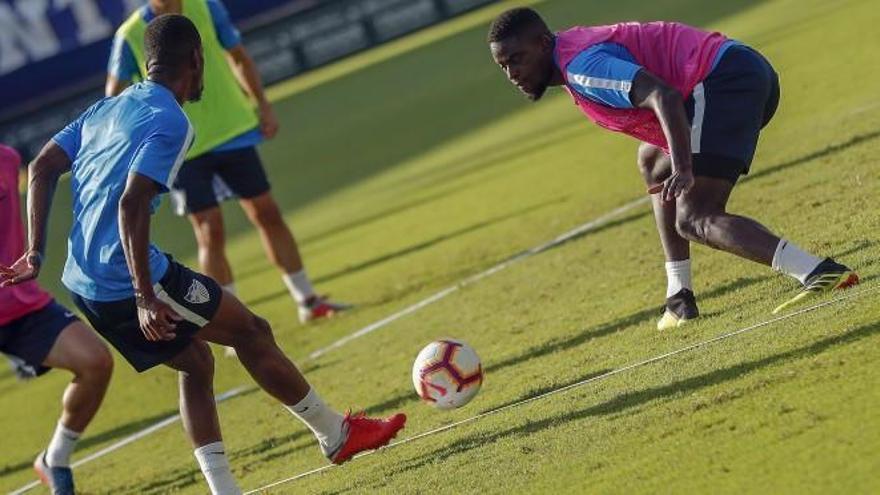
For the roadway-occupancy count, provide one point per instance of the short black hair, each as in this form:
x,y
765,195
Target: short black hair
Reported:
x,y
170,40
513,22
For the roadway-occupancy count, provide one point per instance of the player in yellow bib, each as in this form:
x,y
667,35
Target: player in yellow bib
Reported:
x,y
230,120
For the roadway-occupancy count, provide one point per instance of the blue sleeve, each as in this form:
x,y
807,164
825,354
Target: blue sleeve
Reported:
x,y
70,137
122,64
604,73
227,33
161,154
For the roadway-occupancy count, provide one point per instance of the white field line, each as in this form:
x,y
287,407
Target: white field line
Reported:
x,y
604,376
134,437
587,227
591,225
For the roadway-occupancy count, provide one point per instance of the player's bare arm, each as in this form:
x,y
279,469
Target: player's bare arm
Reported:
x,y
157,319
666,102
249,78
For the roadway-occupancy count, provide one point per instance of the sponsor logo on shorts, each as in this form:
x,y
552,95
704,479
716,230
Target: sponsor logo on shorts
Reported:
x,y
197,293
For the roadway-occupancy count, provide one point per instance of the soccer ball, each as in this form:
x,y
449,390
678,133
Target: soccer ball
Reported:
x,y
447,374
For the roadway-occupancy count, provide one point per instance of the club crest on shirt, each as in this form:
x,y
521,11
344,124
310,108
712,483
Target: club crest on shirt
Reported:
x,y
197,293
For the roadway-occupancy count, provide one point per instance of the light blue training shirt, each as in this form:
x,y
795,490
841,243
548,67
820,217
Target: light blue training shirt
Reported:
x,y
142,131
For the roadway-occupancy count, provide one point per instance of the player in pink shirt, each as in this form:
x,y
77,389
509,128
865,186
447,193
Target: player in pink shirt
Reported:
x,y
39,334
697,101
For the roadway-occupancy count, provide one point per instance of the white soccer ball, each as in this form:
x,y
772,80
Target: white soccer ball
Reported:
x,y
447,374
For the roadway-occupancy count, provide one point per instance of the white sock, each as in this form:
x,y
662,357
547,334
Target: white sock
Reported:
x,y
61,446
678,276
792,260
212,460
324,422
299,285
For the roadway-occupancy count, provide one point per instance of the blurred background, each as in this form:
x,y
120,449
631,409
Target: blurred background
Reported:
x,y
53,53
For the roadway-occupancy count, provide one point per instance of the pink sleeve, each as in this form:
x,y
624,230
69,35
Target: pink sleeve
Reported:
x,y
9,155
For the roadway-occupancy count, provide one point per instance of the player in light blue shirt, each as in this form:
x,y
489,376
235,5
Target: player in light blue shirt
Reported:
x,y
122,153
228,167
142,132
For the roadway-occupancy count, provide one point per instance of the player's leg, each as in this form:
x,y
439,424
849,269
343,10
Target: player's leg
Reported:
x,y
681,305
340,437
243,170
198,412
702,217
210,236
278,240
195,196
53,337
729,110
81,352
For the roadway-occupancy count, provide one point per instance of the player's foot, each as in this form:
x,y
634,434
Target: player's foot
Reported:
x,y
58,479
680,308
828,276
317,307
363,433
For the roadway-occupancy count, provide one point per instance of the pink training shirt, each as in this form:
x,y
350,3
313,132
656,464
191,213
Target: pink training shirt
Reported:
x,y
18,300
680,55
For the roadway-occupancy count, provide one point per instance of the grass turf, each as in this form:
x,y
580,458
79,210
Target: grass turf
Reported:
x,y
410,167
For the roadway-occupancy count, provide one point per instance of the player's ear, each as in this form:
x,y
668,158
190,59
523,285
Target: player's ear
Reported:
x,y
546,41
197,60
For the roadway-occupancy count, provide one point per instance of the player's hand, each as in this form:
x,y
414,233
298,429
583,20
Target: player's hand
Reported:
x,y
26,268
678,184
268,121
158,320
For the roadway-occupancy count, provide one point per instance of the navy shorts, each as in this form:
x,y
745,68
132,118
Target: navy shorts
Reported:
x,y
28,340
192,295
728,110
208,179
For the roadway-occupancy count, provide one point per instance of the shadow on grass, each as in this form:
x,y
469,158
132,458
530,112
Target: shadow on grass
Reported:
x,y
823,153
92,440
605,329
110,435
570,342
630,400
412,248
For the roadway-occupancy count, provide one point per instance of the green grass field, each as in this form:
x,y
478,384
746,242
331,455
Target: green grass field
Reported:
x,y
408,168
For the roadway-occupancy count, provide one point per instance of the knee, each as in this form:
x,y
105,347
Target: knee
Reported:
x,y
210,233
266,214
199,363
99,365
255,331
650,160
692,225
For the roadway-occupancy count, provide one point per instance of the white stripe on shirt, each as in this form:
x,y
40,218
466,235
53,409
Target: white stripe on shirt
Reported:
x,y
599,83
172,176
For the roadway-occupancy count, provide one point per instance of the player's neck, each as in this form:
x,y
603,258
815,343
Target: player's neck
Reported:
x,y
557,78
177,87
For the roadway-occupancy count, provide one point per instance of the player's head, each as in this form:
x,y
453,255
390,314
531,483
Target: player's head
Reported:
x,y
522,45
173,50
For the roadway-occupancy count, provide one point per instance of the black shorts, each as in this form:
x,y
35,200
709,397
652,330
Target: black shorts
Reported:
x,y
194,296
728,110
208,179
28,340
